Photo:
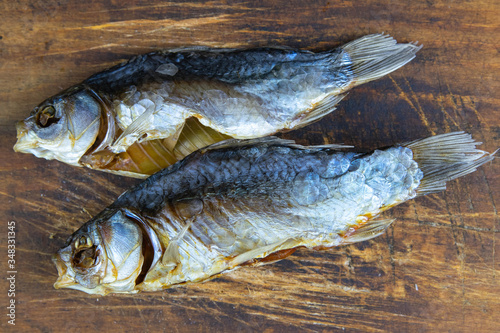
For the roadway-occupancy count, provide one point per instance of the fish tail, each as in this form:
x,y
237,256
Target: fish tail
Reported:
x,y
374,56
445,157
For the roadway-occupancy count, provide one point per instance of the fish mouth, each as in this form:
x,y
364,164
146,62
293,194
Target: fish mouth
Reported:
x,y
28,143
63,280
24,142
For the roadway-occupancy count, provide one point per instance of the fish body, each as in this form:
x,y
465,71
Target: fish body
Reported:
x,y
250,202
143,115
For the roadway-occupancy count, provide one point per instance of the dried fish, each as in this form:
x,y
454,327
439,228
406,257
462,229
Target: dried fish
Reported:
x,y
249,202
144,115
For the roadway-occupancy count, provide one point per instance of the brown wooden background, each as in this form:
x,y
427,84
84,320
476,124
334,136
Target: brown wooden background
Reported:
x,y
436,269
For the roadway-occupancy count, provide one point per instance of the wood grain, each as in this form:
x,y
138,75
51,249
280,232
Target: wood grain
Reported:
x,y
436,269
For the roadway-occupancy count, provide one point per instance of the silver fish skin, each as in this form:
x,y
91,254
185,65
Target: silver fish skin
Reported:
x,y
240,94
251,202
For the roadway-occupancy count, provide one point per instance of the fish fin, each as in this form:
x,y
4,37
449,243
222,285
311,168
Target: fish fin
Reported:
x,y
374,56
271,258
320,110
133,132
269,141
171,257
143,129
171,254
446,157
331,146
187,210
235,143
260,253
371,229
197,48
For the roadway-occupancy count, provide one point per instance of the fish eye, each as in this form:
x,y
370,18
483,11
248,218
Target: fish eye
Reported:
x,y
85,258
46,117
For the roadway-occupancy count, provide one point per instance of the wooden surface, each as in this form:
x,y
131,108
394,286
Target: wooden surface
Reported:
x,y
436,269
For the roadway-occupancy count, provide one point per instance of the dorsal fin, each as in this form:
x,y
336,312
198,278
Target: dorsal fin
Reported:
x,y
269,141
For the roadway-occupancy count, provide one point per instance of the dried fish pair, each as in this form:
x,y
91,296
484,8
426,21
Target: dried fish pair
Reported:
x,y
237,202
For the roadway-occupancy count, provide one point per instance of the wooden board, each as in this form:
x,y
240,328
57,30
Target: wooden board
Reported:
x,y
434,270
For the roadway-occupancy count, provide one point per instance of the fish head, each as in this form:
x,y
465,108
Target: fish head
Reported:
x,y
63,127
105,255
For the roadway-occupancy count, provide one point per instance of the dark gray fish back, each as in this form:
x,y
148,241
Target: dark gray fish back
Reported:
x,y
229,66
247,170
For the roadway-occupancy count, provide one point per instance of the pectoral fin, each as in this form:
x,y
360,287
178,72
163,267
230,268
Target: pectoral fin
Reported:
x,y
156,122
187,210
135,131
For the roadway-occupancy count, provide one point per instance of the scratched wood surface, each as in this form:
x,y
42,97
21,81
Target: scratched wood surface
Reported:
x,y
434,270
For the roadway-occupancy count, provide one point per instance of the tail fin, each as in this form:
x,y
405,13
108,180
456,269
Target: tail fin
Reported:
x,y
374,56
445,157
